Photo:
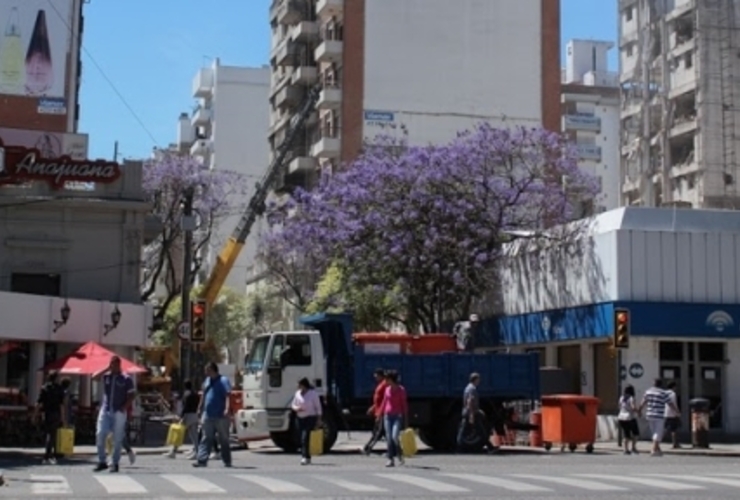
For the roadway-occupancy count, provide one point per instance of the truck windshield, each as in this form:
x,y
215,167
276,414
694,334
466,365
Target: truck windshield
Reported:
x,y
256,358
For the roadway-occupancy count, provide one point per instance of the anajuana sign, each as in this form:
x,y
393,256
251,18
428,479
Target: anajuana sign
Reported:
x,y
19,164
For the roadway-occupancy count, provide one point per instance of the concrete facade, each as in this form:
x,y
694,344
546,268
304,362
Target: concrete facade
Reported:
x,y
674,271
680,124
591,116
81,248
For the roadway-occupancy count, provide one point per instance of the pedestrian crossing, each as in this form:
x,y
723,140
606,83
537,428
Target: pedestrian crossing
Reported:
x,y
320,484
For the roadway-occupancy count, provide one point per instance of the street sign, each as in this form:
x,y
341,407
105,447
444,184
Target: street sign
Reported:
x,y
183,330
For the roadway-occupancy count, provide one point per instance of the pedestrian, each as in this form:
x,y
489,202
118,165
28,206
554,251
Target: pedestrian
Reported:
x,y
473,416
627,418
66,384
376,410
395,416
673,415
656,399
307,407
188,418
118,395
213,412
130,453
52,403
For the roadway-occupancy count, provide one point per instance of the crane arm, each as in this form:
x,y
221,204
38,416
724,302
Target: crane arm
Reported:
x,y
256,207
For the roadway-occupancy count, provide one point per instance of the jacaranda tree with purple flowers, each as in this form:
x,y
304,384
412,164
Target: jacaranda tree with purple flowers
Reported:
x,y
428,222
216,194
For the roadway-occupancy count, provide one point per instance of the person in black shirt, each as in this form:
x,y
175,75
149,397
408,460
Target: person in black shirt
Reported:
x,y
51,401
188,418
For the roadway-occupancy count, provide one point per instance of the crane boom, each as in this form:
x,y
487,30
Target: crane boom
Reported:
x,y
256,207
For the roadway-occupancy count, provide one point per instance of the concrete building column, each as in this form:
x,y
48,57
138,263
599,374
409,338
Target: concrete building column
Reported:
x,y
551,355
35,375
587,369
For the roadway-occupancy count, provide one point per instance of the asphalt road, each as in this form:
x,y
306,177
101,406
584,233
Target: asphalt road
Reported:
x,y
350,475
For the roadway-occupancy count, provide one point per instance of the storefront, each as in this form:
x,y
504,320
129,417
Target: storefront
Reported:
x,y
71,233
673,271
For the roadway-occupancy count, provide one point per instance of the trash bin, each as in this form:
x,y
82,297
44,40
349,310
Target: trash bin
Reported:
x,y
699,422
569,420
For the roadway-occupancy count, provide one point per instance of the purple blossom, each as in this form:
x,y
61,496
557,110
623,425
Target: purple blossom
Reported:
x,y
429,221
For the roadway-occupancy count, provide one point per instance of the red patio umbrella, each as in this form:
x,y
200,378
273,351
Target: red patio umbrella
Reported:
x,y
91,359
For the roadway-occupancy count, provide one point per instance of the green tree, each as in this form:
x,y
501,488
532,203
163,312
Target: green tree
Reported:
x,y
228,319
372,308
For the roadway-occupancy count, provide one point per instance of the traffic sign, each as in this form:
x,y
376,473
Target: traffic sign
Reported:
x,y
183,330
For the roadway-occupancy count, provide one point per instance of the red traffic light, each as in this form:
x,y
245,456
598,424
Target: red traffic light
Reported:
x,y
198,309
622,317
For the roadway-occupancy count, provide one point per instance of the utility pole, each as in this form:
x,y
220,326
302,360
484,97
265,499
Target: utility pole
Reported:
x,y
188,226
115,151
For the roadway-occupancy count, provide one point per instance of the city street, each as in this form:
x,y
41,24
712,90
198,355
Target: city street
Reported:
x,y
267,473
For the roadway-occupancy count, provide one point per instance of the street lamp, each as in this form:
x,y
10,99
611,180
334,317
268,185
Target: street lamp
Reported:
x,y
65,311
115,318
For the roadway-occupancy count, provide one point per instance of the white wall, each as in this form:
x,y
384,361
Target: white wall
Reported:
x,y
241,114
443,66
631,254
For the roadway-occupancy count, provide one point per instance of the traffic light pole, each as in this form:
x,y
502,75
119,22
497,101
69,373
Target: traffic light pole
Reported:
x,y
188,225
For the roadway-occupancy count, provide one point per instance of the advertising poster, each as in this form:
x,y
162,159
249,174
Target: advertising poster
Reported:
x,y
49,145
35,39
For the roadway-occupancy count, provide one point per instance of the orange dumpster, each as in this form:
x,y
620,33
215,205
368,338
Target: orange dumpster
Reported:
x,y
569,420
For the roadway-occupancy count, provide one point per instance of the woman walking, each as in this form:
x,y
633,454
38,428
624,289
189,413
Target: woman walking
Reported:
x,y
628,413
395,416
307,406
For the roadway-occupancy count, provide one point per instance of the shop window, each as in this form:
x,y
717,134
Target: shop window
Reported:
x,y
14,365
36,284
712,351
671,351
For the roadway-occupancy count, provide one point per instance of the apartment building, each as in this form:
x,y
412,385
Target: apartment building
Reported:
x,y
226,130
679,90
590,99
429,67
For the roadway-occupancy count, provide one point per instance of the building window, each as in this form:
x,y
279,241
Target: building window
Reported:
x,y
36,284
628,14
14,371
629,50
689,60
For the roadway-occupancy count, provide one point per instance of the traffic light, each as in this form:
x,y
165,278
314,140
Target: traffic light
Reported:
x,y
621,328
198,333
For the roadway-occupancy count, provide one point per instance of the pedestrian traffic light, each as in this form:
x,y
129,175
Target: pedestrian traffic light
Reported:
x,y
198,333
621,328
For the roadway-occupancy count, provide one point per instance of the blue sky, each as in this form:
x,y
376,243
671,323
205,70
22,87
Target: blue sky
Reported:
x,y
151,50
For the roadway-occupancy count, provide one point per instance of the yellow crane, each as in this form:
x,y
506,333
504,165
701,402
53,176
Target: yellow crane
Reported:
x,y
256,207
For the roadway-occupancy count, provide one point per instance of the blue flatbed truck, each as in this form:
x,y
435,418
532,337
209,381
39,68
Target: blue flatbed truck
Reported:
x,y
342,372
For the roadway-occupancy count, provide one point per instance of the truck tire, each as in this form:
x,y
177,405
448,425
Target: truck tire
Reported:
x,y
473,441
329,424
288,441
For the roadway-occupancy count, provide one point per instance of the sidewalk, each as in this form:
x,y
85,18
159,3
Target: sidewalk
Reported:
x,y
718,450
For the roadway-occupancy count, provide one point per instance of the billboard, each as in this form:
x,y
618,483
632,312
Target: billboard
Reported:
x,y
35,40
50,145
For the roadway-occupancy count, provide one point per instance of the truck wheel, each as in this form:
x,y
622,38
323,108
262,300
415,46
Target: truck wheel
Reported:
x,y
331,433
286,440
472,440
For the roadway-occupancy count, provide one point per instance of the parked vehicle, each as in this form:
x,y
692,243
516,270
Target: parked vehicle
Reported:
x,y
341,369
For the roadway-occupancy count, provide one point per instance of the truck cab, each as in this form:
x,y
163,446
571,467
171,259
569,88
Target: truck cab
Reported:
x,y
275,364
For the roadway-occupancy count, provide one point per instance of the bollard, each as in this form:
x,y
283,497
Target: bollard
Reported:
x,y
699,422
535,435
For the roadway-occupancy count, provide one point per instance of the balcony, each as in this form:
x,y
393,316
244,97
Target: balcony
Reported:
x,y
203,83
582,122
327,9
302,164
683,126
588,152
305,75
305,31
201,147
283,54
201,117
288,97
330,97
327,146
329,51
287,11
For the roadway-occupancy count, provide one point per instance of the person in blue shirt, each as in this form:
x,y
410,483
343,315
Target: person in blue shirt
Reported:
x,y
118,395
213,411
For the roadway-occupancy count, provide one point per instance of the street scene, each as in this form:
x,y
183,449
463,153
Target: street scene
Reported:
x,y
264,472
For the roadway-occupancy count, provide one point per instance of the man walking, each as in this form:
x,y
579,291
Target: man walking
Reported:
x,y
51,401
376,410
118,395
673,415
471,415
656,400
213,410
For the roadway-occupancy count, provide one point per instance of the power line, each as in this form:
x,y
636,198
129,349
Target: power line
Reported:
x,y
103,74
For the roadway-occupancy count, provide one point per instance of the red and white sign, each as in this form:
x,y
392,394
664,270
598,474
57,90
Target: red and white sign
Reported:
x,y
20,164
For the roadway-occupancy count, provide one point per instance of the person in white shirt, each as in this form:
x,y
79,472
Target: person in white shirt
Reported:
x,y
307,407
627,418
673,414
